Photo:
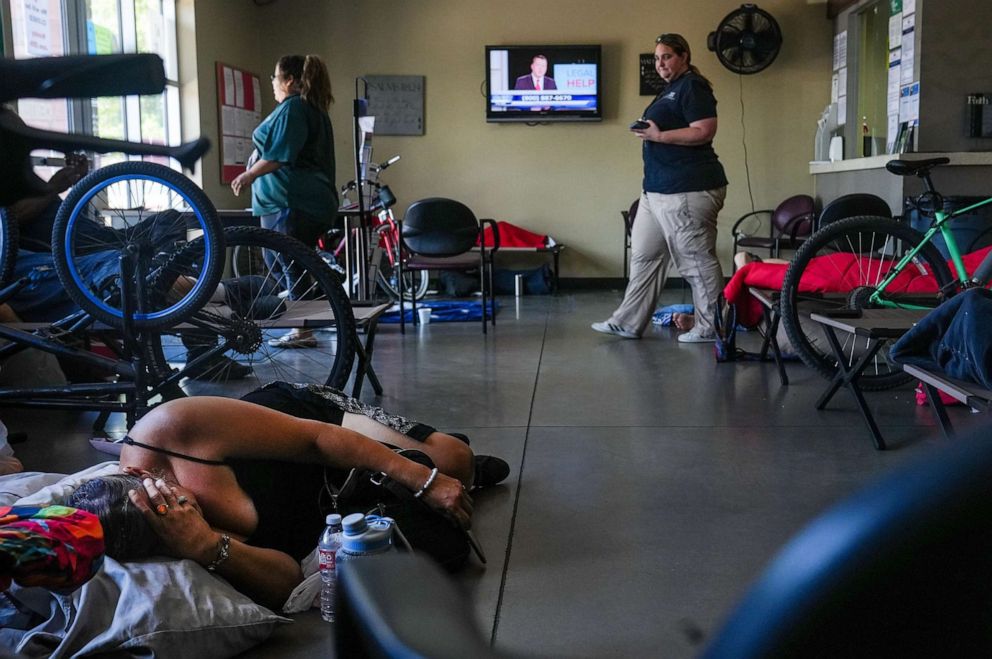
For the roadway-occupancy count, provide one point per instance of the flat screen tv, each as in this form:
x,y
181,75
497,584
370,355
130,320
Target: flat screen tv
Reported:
x,y
543,83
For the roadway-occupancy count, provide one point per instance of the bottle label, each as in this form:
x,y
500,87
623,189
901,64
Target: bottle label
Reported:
x,y
327,559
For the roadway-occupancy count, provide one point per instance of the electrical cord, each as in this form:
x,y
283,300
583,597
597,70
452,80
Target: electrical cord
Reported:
x,y
747,170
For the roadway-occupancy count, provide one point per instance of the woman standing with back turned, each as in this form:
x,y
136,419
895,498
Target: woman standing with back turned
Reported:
x,y
683,191
292,179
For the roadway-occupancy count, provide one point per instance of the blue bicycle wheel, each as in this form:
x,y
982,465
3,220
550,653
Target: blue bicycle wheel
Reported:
x,y
115,230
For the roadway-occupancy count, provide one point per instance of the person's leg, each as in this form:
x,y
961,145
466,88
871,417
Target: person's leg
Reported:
x,y
648,268
451,455
690,223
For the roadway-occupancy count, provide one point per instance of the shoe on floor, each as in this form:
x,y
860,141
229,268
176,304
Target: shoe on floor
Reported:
x,y
221,369
695,336
293,341
616,330
489,470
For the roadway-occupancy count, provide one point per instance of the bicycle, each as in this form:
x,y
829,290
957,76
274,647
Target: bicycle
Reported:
x,y
384,252
873,262
162,318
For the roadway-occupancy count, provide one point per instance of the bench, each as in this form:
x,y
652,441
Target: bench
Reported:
x,y
934,381
875,326
770,301
554,251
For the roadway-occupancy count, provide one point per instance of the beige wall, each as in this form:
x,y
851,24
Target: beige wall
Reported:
x,y
568,180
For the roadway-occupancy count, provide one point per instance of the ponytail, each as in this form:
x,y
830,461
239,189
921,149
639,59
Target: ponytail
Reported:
x,y
310,77
695,70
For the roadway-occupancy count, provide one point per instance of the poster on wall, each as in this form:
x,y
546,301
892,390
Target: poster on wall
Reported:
x,y
397,103
239,111
651,82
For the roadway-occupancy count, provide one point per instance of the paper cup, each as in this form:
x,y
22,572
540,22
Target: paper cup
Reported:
x,y
424,314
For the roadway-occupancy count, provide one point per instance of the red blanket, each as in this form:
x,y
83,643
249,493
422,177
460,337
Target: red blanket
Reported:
x,y
836,273
510,235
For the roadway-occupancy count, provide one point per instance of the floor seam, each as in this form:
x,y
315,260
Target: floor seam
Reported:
x,y
520,474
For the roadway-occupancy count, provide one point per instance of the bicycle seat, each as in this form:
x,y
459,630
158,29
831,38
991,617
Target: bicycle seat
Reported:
x,y
914,167
82,76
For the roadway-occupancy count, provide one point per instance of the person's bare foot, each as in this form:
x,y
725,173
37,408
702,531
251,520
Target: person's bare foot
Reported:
x,y
683,321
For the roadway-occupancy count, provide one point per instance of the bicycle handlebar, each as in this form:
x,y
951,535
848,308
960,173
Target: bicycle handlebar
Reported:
x,y
81,76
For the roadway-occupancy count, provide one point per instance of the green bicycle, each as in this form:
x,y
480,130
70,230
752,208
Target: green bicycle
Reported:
x,y
875,263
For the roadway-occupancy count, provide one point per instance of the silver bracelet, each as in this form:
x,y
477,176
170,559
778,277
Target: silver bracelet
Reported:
x,y
430,479
223,552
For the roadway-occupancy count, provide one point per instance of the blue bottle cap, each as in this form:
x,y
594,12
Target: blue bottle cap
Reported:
x,y
354,524
333,519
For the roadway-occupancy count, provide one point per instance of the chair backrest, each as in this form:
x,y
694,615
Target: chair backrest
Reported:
x,y
850,205
800,205
900,569
440,227
629,215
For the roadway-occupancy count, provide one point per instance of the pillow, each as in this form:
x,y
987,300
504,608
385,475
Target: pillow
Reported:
x,y
154,608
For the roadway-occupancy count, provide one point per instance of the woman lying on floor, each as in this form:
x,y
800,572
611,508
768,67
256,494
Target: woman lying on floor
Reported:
x,y
234,484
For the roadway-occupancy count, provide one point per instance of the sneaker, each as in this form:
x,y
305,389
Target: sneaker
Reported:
x,y
489,470
695,336
293,341
610,328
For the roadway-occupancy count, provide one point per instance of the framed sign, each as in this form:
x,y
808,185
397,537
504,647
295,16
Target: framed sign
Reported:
x,y
397,103
651,82
239,111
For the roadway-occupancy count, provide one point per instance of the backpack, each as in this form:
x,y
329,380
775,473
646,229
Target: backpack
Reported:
x,y
427,530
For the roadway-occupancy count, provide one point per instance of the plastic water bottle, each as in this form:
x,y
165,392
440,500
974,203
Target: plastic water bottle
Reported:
x,y
330,543
365,536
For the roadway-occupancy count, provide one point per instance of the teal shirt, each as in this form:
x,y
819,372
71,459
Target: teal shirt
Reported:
x,y
300,137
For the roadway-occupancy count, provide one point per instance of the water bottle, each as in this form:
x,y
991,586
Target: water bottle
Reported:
x,y
330,543
365,536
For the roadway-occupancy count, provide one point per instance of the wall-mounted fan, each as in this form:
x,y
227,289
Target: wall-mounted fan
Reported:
x,y
747,40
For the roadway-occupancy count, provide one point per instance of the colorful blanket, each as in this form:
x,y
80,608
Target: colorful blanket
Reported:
x,y
53,546
835,273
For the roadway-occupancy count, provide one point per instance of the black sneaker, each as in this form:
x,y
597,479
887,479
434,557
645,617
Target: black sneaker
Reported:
x,y
489,470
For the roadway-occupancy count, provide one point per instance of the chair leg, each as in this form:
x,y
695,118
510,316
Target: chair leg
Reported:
x,y
399,269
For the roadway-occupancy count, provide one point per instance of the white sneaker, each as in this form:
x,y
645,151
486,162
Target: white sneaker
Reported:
x,y
616,330
695,336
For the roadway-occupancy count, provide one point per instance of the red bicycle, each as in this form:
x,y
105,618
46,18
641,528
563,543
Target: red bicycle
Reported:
x,y
383,248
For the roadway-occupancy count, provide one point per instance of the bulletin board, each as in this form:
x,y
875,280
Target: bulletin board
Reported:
x,y
397,103
239,111
651,82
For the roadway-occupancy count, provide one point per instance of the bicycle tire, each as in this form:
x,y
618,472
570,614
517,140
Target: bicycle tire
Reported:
x,y
139,206
261,306
868,237
8,246
417,281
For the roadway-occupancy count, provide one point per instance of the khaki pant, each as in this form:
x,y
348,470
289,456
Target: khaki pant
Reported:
x,y
680,228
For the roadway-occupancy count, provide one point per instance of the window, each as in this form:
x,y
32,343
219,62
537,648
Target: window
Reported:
x,y
57,27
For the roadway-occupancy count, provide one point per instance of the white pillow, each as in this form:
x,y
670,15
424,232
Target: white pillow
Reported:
x,y
155,608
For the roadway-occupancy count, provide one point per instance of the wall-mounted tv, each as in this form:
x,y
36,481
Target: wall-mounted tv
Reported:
x,y
543,83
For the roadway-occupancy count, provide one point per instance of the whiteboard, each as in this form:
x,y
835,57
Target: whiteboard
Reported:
x,y
397,103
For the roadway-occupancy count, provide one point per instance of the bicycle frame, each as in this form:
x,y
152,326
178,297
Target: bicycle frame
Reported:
x,y
940,224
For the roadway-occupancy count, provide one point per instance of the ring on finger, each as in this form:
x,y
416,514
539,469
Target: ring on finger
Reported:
x,y
182,499
162,508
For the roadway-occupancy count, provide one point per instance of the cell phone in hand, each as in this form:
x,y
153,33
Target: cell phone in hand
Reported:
x,y
640,124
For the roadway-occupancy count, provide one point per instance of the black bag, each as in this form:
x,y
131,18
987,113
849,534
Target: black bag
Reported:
x,y
365,491
725,326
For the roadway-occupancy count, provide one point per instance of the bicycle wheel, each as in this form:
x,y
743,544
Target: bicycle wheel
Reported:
x,y
283,287
839,267
415,282
8,246
144,211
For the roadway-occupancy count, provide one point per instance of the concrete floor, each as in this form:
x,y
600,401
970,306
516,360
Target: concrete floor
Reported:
x,y
649,484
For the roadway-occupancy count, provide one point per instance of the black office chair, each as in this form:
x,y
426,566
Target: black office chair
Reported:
x,y
852,205
440,234
902,568
788,226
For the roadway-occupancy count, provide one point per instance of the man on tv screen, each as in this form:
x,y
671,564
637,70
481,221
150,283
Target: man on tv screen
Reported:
x,y
536,80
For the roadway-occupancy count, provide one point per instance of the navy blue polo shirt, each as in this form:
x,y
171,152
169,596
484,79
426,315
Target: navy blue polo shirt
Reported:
x,y
673,168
